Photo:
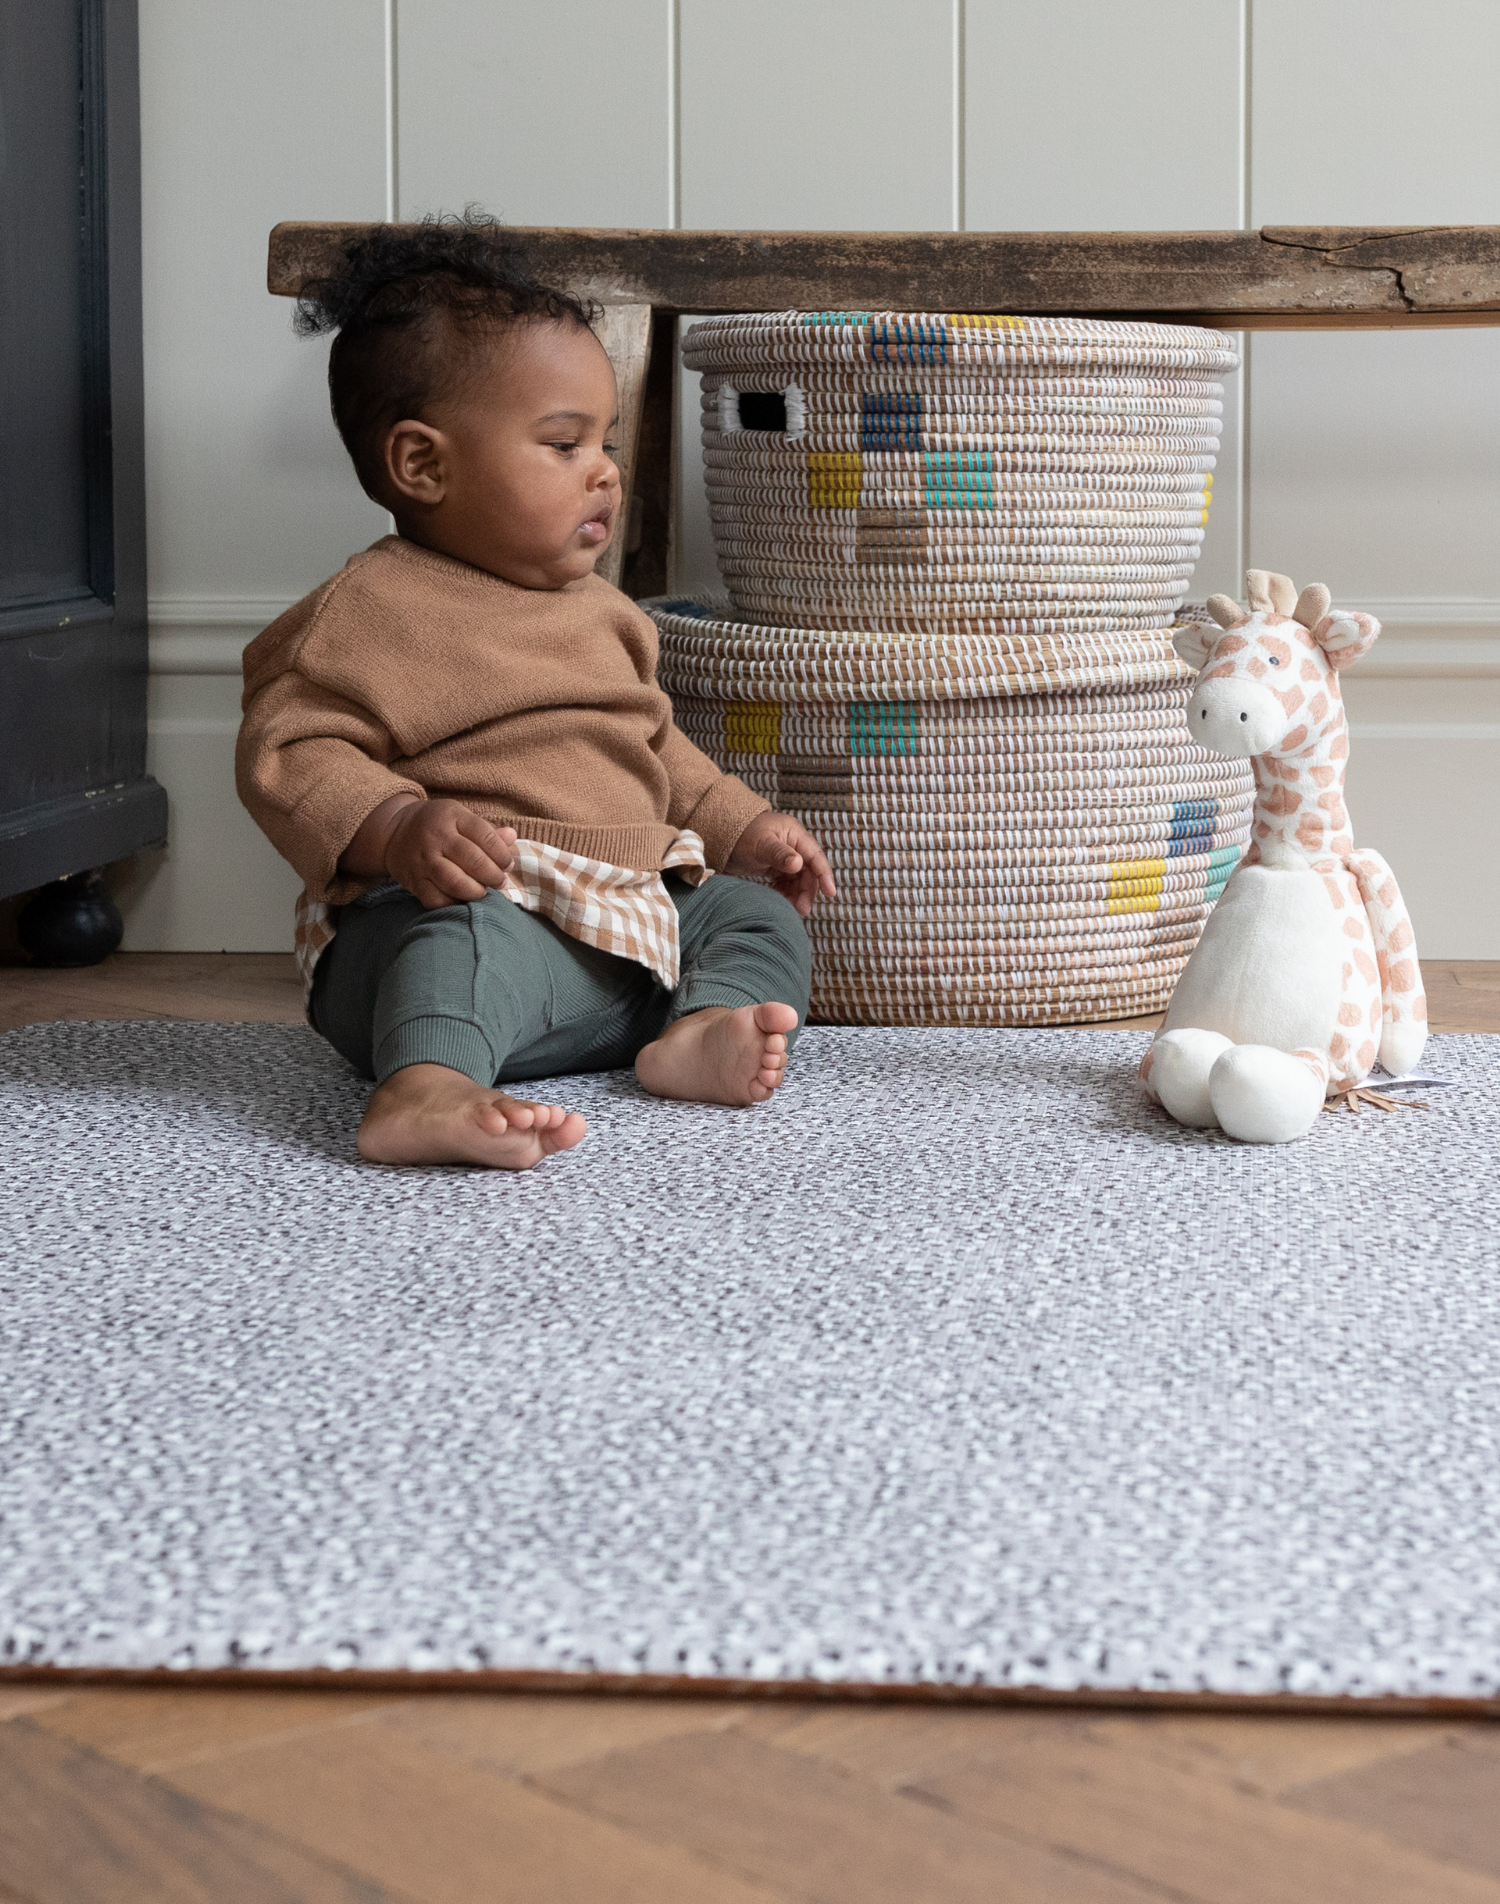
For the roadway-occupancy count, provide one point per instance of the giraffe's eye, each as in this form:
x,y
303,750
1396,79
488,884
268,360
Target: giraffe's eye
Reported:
x,y
1275,663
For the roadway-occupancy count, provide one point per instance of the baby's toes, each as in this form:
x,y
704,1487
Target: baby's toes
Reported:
x,y
490,1117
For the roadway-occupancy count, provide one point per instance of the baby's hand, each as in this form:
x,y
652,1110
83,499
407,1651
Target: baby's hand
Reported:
x,y
774,846
443,854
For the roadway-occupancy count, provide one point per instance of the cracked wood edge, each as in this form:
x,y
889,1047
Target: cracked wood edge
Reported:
x,y
1284,276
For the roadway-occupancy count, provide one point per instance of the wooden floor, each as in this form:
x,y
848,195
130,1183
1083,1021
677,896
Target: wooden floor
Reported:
x,y
131,1796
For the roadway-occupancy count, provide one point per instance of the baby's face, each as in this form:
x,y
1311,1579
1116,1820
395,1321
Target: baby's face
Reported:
x,y
515,474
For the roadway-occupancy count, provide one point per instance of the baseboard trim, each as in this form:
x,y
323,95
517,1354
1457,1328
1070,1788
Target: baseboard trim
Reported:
x,y
1457,639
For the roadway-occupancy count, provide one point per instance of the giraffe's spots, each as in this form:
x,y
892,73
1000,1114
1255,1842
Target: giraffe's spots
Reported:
x,y
1403,976
1297,738
1230,644
1310,833
1277,650
1338,747
1336,895
1348,974
1338,1044
1419,1008
1322,776
1310,671
1282,801
1147,1062
1221,673
1255,667
1384,965
1366,967
1400,937
1387,895
1349,1014
1365,1056
1355,927
1374,1013
1262,831
1317,707
1303,635
1342,844
1290,697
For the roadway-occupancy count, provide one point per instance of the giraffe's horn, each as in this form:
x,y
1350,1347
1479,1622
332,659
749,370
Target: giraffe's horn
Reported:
x,y
1257,590
1312,605
1283,594
1226,613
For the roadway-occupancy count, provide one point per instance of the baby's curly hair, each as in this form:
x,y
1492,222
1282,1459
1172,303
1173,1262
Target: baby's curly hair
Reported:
x,y
413,308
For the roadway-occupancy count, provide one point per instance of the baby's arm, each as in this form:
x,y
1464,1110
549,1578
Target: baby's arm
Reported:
x,y
774,846
741,834
312,767
439,850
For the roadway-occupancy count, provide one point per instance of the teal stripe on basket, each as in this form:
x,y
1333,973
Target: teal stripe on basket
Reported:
x,y
958,479
883,727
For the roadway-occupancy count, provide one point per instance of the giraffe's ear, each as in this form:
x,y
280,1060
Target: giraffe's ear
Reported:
x,y
1345,635
1194,641
1283,594
1269,593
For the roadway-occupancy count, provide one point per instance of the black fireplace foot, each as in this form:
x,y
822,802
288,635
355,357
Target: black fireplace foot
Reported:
x,y
71,922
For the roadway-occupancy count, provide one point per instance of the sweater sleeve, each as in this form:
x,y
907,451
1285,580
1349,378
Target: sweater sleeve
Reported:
x,y
717,806
311,767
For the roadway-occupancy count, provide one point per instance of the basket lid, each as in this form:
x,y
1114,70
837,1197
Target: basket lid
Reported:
x,y
933,340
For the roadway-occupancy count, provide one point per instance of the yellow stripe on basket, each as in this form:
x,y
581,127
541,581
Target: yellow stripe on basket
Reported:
x,y
1128,876
833,479
752,727
1153,904
991,323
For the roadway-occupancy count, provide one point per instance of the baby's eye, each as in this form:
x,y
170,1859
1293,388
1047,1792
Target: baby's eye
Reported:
x,y
564,447
611,449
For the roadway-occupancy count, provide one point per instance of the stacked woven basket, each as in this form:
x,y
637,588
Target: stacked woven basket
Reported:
x,y
954,548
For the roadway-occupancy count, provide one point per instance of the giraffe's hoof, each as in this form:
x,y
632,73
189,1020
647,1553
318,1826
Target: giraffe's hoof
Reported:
x,y
1401,1047
1264,1096
1180,1065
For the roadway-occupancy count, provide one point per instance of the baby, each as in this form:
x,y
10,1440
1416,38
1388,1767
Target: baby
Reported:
x,y
514,864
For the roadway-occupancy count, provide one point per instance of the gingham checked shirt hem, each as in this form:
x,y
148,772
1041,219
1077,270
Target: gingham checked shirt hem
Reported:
x,y
627,913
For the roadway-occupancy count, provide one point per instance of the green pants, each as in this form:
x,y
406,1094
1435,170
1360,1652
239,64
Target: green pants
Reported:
x,y
500,993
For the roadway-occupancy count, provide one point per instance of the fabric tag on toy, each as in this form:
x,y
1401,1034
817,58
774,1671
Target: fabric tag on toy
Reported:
x,y
1381,1080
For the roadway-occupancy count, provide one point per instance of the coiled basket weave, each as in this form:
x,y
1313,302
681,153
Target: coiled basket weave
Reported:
x,y
954,548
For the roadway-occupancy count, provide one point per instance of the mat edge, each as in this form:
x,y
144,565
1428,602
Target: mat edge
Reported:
x,y
680,1686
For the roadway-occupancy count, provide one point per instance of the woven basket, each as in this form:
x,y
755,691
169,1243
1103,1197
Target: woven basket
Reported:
x,y
888,470
1004,857
954,548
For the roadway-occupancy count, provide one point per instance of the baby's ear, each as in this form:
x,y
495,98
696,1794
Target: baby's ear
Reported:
x,y
1345,635
1194,641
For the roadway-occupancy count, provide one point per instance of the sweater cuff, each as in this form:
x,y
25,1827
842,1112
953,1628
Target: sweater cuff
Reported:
x,y
722,815
339,816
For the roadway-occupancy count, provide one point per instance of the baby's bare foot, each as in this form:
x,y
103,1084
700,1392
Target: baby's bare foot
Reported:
x,y
719,1055
427,1114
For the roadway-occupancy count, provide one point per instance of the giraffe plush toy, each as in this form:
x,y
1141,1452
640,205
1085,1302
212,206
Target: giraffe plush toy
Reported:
x,y
1307,970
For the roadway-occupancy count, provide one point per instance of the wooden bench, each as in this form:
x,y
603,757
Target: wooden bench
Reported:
x,y
1278,278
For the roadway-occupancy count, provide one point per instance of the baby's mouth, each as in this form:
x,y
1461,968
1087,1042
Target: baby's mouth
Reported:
x,y
596,529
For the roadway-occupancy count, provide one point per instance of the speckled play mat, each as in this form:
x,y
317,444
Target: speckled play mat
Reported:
x,y
957,1366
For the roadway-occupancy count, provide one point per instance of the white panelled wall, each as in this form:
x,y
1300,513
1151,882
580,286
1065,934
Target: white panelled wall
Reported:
x,y
1368,460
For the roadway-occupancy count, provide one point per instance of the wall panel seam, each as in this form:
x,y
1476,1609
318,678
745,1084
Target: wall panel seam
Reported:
x,y
960,115
392,114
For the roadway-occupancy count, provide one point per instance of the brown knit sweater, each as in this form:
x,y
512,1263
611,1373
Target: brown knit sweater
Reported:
x,y
411,672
